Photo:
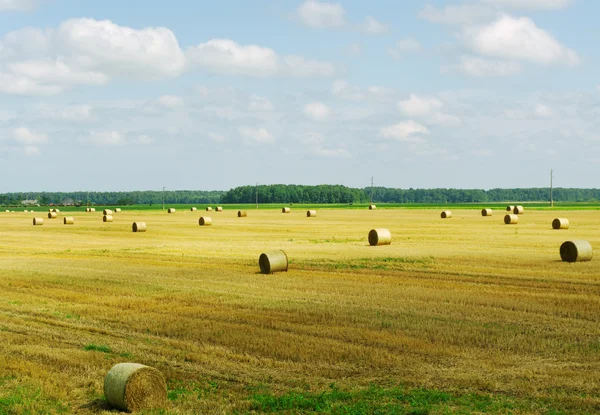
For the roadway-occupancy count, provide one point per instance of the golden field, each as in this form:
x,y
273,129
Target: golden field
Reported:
x,y
468,306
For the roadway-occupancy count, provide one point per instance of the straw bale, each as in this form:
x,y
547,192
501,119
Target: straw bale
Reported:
x,y
560,223
574,251
205,221
68,220
518,210
285,210
139,227
311,213
273,261
38,221
52,215
446,214
511,219
486,212
107,218
379,237
242,213
135,387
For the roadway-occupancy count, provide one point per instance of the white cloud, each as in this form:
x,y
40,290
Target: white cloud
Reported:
x,y
543,111
332,152
404,131
342,89
404,45
170,101
104,138
78,113
417,106
26,136
458,15
317,111
480,67
256,135
259,104
321,14
519,39
18,5
300,67
531,4
373,26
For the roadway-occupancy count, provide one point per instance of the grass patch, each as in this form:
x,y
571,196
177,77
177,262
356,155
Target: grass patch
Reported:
x,y
98,348
27,400
384,263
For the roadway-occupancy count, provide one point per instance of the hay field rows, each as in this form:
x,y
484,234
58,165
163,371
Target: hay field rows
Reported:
x,y
463,315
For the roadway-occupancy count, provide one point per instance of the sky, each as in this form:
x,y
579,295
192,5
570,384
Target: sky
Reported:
x,y
119,95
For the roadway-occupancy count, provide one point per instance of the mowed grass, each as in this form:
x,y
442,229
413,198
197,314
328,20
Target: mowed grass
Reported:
x,y
462,315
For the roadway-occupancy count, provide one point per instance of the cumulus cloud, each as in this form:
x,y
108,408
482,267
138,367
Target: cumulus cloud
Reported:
x,y
256,135
518,39
531,4
77,113
24,135
418,106
481,67
402,46
373,26
104,138
306,68
409,131
342,89
18,5
317,111
315,13
458,14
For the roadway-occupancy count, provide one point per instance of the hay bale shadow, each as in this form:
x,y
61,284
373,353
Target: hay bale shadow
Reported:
x,y
98,405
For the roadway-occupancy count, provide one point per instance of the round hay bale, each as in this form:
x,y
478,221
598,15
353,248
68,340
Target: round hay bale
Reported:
x,y
286,210
25,211
68,220
209,209
446,214
107,212
92,209
134,387
242,213
379,237
7,211
311,213
573,251
219,208
52,215
486,212
560,223
205,221
87,210
107,218
117,210
193,209
511,219
171,210
55,210
372,207
50,210
38,221
273,261
138,227
510,208
518,210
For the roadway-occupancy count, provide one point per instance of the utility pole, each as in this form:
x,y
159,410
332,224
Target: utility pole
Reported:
x,y
88,200
551,198
163,195
371,189
257,195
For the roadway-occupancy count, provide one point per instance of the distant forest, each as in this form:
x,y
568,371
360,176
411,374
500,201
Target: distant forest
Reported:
x,y
280,193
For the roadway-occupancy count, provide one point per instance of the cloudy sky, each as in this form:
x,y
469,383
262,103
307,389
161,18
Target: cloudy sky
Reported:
x,y
190,94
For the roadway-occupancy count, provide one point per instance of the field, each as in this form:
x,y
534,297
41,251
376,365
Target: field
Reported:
x,y
462,315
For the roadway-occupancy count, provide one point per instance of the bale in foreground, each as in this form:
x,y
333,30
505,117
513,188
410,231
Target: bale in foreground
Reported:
x,y
486,212
273,261
134,387
446,214
380,237
68,220
573,251
311,213
511,219
139,226
560,223
38,221
286,210
242,213
107,218
205,221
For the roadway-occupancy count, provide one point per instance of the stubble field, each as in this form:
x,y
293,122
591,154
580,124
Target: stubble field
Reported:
x,y
463,315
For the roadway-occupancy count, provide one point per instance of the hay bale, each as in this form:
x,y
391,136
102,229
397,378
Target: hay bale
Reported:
x,y
52,215
510,208
573,251
372,207
92,209
205,221
134,387
68,220
107,218
50,210
193,209
38,221
171,210
209,209
7,211
446,214
379,237
560,223
311,213
138,227
219,208
286,210
511,219
55,210
273,261
25,211
518,210
117,210
486,212
242,213
107,212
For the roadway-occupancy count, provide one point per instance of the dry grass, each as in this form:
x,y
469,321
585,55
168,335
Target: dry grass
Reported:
x,y
469,305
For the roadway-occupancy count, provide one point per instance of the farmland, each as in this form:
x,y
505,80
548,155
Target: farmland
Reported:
x,y
462,315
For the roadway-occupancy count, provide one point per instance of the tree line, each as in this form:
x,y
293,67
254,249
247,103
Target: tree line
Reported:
x,y
280,193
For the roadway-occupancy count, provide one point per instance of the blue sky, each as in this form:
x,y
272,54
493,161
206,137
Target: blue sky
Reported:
x,y
138,95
